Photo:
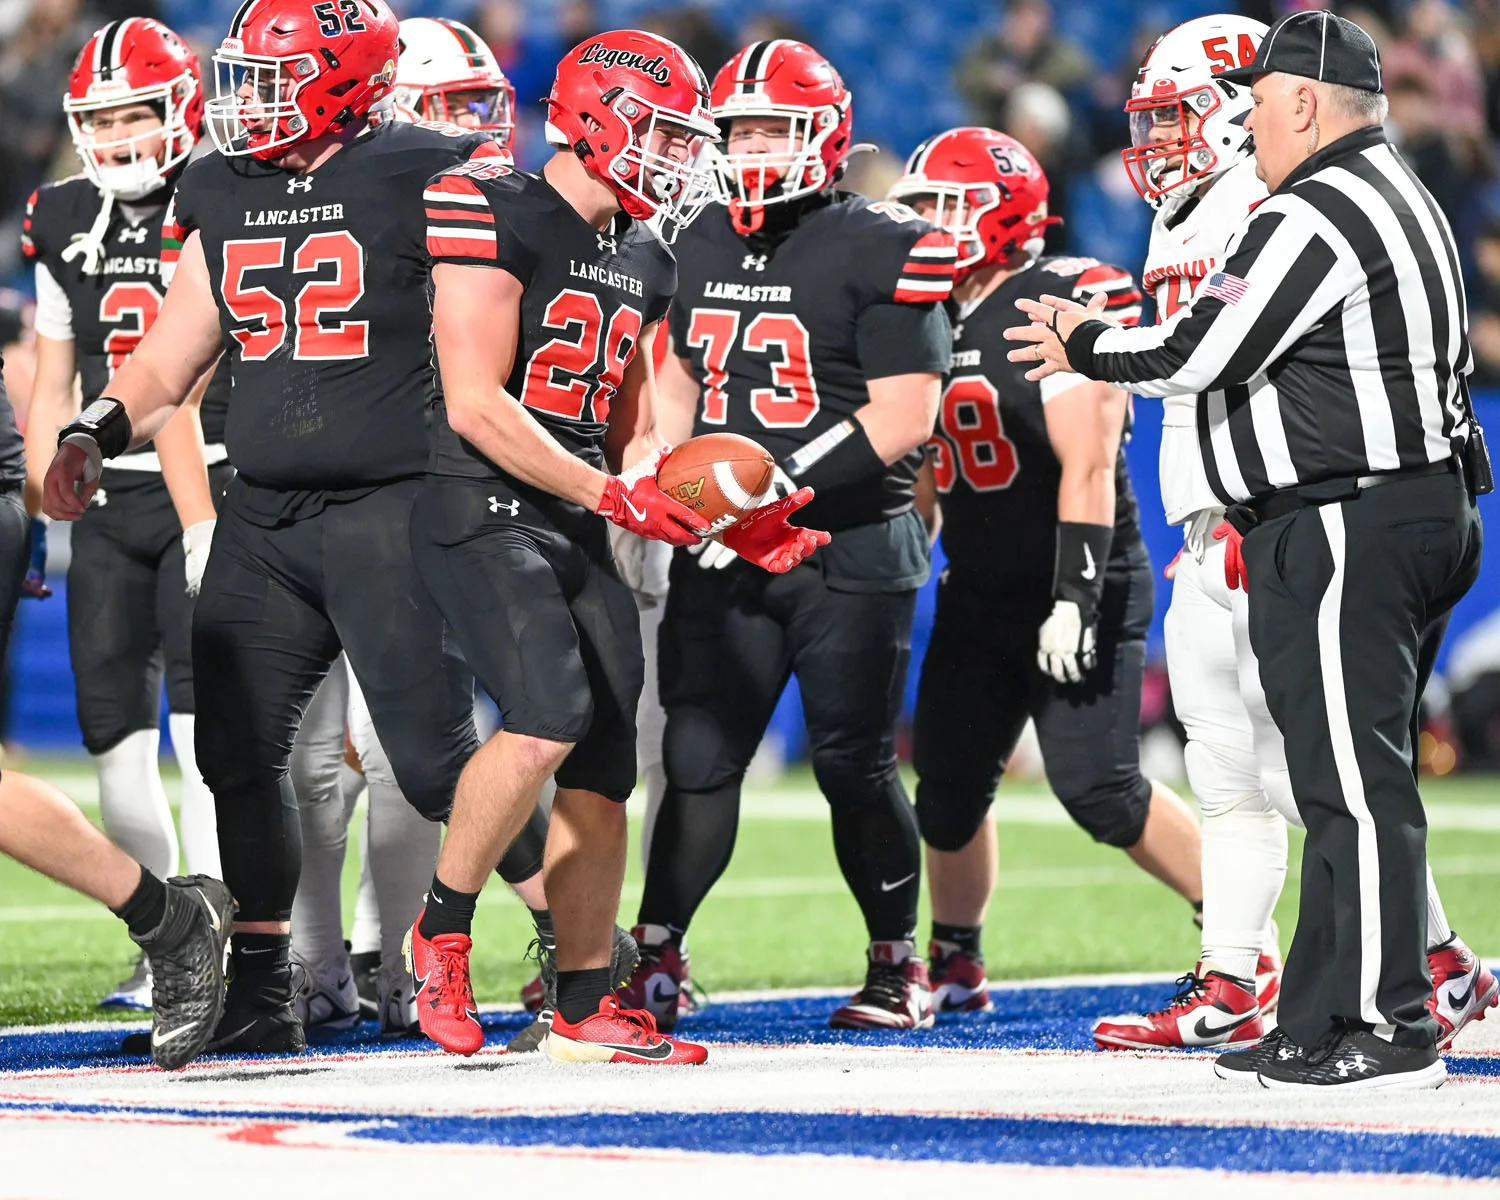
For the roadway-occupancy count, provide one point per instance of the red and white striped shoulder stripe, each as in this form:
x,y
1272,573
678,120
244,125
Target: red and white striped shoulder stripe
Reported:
x,y
459,221
927,273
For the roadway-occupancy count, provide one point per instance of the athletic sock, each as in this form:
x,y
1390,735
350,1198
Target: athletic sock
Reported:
x,y
1439,932
448,911
959,939
546,934
133,804
1244,867
579,993
146,907
259,953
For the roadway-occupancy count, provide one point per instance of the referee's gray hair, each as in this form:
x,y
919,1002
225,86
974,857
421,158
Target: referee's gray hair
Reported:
x,y
1355,104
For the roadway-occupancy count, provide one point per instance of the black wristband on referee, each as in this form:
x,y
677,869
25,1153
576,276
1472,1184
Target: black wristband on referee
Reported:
x,y
1080,346
105,422
840,456
1082,552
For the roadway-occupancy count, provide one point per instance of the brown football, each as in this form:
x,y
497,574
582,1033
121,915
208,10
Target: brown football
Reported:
x,y
720,476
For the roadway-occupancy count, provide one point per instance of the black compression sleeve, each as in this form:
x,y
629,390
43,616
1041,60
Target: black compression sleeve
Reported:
x,y
1082,551
840,456
106,422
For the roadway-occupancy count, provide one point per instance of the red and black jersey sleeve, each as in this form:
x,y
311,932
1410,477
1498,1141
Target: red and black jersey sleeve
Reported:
x,y
927,272
29,232
469,222
1123,303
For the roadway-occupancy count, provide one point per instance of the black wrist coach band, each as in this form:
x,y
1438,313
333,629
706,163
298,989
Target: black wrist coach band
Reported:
x,y
104,422
1082,552
840,456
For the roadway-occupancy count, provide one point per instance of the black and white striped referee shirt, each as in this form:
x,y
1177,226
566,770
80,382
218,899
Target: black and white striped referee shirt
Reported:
x,y
1334,342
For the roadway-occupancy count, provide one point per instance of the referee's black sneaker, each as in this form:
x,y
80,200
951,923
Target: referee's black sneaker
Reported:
x,y
186,953
1356,1058
1244,1066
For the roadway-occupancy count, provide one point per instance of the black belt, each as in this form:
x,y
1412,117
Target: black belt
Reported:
x,y
1327,491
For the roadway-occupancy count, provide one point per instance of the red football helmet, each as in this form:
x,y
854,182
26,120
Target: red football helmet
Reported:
x,y
791,80
130,62
991,194
634,108
291,70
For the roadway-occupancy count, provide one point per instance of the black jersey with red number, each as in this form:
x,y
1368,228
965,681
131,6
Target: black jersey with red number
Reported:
x,y
114,306
785,330
321,281
994,463
588,294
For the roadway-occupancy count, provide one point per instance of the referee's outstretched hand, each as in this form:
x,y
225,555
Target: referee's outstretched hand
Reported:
x,y
1053,319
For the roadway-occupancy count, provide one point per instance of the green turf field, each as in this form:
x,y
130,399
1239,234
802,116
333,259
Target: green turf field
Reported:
x,y
781,918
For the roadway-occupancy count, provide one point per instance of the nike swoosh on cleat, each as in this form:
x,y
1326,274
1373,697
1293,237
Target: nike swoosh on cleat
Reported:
x,y
213,916
1204,1030
161,1039
655,1054
1459,1000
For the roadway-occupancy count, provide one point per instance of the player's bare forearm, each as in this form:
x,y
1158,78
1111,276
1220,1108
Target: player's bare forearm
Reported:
x,y
900,414
1085,424
677,395
501,429
54,402
632,433
184,465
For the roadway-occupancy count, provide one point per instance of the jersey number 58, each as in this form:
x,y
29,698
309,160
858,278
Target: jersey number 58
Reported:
x,y
969,421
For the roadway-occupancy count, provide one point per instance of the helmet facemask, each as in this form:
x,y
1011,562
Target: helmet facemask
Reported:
x,y
958,208
480,106
1160,166
254,108
755,180
663,173
168,140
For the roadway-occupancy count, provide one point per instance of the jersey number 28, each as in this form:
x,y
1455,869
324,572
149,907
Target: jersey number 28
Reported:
x,y
969,421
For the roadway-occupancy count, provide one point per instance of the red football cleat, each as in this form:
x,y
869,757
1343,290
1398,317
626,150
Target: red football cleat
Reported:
x,y
1462,989
1208,1010
445,999
619,1035
659,984
895,996
1268,982
958,982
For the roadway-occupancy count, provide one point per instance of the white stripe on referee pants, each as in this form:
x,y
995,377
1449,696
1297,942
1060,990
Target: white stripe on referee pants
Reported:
x,y
1346,763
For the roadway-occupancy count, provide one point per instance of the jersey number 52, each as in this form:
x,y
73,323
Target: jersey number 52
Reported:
x,y
969,421
264,314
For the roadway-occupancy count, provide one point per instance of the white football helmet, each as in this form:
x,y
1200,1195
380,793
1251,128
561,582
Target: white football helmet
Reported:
x,y
1186,124
447,73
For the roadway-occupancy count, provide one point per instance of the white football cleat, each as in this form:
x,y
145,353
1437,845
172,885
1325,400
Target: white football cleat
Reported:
x,y
134,991
1463,989
324,995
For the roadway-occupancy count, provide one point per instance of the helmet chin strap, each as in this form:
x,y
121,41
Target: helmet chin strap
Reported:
x,y
90,246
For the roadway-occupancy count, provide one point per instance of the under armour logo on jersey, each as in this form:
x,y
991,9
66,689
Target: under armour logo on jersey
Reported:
x,y
753,262
512,508
607,243
100,498
136,235
298,184
1356,1065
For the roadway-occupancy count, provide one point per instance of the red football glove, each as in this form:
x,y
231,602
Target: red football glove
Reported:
x,y
643,508
1170,570
1235,574
765,538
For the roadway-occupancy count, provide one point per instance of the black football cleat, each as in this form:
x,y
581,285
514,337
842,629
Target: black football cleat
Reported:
x,y
622,962
1357,1059
260,1016
186,955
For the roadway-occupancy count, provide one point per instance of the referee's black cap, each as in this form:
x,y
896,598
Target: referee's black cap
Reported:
x,y
1316,45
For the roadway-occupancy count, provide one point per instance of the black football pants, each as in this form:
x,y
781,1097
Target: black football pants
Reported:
x,y
277,606
1348,604
729,641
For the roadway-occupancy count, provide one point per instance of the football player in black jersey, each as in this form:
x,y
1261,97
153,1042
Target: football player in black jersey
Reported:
x,y
1045,604
135,108
810,320
548,291
300,249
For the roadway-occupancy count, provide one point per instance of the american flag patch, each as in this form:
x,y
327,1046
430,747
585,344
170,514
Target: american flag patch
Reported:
x,y
1226,287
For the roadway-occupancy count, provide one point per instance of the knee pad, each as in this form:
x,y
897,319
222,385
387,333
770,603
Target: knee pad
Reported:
x,y
603,764
949,814
696,754
1111,813
1221,778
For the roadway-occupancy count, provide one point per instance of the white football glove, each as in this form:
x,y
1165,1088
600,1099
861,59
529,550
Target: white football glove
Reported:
x,y
196,541
1065,644
712,554
643,564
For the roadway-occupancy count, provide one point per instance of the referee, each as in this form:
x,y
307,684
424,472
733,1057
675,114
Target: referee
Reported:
x,y
1329,359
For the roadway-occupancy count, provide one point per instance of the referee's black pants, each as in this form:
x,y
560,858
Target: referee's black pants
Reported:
x,y
1348,604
